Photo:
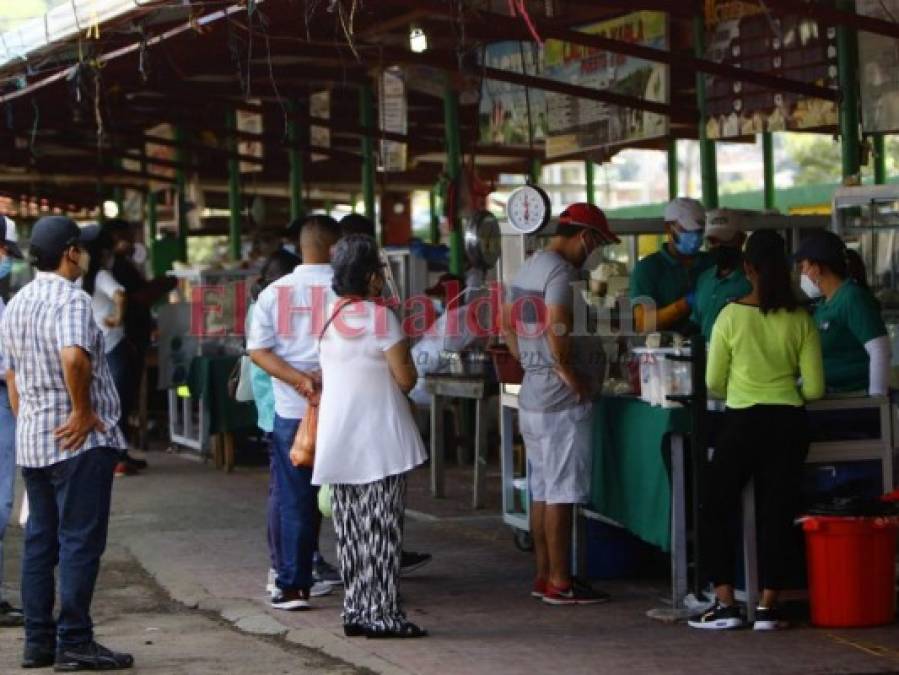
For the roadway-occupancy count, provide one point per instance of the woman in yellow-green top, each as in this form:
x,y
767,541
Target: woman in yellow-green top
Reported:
x,y
762,346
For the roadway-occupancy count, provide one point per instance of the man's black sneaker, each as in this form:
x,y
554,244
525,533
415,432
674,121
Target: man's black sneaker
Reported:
x,y
90,656
718,617
134,462
324,573
577,593
411,561
291,601
10,617
38,656
768,618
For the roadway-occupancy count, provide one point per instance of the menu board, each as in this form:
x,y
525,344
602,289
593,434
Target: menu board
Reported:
x,y
394,118
503,110
575,125
744,35
878,57
250,122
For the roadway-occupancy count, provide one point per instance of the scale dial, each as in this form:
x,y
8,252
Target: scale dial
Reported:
x,y
528,209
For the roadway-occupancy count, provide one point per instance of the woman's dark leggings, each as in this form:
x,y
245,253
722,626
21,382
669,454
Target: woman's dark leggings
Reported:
x,y
768,444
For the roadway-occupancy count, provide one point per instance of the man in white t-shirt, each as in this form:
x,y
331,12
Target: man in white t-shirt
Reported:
x,y
283,341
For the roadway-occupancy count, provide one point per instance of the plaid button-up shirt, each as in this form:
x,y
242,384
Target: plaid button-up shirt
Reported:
x,y
46,316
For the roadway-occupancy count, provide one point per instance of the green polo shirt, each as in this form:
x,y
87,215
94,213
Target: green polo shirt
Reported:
x,y
713,293
666,279
849,320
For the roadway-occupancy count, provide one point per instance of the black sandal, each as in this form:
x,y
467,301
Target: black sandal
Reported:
x,y
407,630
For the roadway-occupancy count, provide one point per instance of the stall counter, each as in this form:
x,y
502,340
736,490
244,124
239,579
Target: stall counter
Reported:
x,y
631,483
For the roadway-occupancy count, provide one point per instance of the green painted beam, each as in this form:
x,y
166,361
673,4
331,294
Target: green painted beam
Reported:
x,y
234,198
847,63
434,232
880,159
673,178
181,185
768,170
453,167
152,223
367,119
707,160
295,159
590,179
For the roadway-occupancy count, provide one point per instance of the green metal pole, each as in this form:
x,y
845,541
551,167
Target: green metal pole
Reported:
x,y
768,168
707,161
847,63
435,217
181,184
297,207
535,171
367,118
590,179
673,178
152,224
453,167
234,205
880,159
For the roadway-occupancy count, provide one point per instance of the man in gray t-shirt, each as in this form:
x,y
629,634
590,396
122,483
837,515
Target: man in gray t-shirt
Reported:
x,y
554,402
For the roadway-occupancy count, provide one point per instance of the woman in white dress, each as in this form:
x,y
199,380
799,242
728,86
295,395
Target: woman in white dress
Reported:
x,y
367,440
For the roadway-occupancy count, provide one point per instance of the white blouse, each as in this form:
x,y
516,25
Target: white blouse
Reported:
x,y
366,431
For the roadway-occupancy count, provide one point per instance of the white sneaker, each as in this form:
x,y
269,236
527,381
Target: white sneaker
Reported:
x,y
270,586
320,588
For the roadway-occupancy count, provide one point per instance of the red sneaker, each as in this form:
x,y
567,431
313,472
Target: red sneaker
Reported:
x,y
577,593
539,589
123,469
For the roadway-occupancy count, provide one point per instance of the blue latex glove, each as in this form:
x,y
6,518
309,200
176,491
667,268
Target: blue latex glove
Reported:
x,y
691,299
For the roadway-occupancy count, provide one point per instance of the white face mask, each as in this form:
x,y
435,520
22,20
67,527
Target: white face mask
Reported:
x,y
809,287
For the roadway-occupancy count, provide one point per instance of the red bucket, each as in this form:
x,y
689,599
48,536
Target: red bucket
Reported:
x,y
851,570
508,370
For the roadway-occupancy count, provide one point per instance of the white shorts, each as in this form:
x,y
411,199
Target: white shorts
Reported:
x,y
559,449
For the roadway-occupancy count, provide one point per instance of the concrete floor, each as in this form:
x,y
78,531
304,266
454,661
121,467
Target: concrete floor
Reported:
x,y
182,587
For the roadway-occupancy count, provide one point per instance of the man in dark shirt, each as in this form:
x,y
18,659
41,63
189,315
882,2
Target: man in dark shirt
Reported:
x,y
142,294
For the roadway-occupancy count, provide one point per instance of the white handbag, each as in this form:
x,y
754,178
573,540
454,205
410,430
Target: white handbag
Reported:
x,y
244,391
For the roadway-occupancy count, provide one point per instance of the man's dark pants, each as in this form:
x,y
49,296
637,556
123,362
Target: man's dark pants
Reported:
x,y
67,525
299,505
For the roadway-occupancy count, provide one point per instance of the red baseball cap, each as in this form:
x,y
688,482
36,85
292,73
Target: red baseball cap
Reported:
x,y
587,216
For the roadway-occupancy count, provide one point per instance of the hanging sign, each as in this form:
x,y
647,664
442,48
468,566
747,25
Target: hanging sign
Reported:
x,y
577,125
744,35
165,152
393,116
320,107
503,110
878,57
250,122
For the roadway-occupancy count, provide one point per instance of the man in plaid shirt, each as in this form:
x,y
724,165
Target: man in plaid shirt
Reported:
x,y
67,441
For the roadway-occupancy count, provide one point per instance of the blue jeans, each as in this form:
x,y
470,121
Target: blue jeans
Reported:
x,y
7,466
120,362
299,502
273,511
67,524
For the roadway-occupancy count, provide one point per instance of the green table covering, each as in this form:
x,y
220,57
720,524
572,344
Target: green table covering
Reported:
x,y
207,378
630,476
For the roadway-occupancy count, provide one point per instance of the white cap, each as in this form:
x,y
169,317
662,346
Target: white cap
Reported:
x,y
723,224
686,212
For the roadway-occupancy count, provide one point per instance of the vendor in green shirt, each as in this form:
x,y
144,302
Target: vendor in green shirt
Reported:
x,y
853,336
663,284
726,281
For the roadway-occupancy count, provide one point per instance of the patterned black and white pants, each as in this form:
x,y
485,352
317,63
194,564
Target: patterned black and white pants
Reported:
x,y
368,520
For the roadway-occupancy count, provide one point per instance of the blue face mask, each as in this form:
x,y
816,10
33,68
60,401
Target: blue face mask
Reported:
x,y
5,266
688,243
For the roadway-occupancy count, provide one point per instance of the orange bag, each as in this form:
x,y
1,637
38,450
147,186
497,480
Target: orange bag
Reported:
x,y
302,452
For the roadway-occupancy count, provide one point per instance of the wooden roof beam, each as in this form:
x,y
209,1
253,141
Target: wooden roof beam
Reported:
x,y
516,29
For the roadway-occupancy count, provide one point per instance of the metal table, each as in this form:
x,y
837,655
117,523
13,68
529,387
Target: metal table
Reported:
x,y
472,387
